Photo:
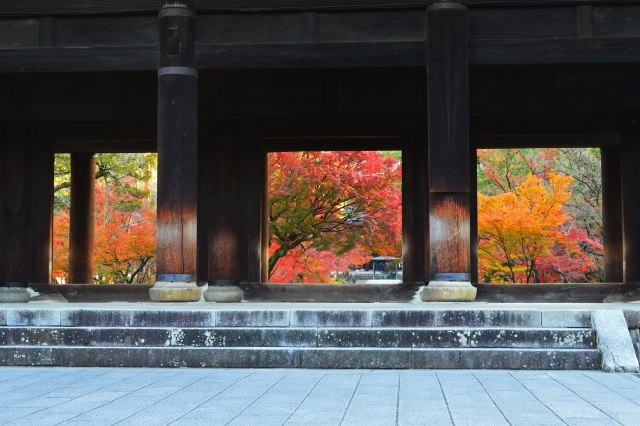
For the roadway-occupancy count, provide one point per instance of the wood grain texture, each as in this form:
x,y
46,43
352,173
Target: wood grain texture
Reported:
x,y
259,28
522,22
41,227
45,31
630,154
370,26
264,222
448,98
177,151
20,33
409,193
585,21
15,197
252,175
449,234
224,205
473,210
310,27
616,21
612,213
81,218
362,143
106,31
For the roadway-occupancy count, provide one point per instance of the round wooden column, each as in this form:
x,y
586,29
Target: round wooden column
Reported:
x,y
177,157
81,218
448,146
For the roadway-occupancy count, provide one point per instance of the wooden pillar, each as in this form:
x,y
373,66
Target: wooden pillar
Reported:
x,y
15,211
612,214
177,146
234,184
81,218
630,154
264,223
41,213
473,210
448,124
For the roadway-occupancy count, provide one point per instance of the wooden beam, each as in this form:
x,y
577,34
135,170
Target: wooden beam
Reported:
x,y
547,141
612,214
81,218
364,143
448,124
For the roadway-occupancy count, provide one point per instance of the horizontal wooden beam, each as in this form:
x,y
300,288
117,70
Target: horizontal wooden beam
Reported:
x,y
545,141
107,146
325,55
332,144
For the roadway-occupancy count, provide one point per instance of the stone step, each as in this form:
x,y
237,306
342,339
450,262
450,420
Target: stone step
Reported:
x,y
418,337
281,317
296,357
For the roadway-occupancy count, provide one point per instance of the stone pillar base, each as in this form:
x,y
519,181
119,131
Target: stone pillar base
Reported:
x,y
14,295
449,291
175,292
220,294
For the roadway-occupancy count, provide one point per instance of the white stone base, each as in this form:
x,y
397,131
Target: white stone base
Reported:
x,y
175,292
14,295
219,294
449,291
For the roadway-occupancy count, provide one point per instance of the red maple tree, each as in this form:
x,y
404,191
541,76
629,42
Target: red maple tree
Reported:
x,y
329,211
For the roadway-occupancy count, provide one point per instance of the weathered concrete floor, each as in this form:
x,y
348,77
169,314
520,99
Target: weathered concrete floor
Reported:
x,y
100,396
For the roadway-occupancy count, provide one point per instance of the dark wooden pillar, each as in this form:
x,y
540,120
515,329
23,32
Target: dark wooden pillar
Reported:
x,y
15,197
415,218
41,212
233,182
264,223
81,218
630,154
612,214
448,123
177,146
473,210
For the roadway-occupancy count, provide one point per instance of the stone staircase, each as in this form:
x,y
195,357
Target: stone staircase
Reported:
x,y
304,338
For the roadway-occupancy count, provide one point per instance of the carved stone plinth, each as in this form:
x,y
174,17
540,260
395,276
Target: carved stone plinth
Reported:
x,y
14,295
223,294
448,291
175,292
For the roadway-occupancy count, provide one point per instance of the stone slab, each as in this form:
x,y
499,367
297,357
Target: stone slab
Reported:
x,y
513,359
618,354
330,318
28,356
240,358
119,357
3,317
355,358
489,318
31,317
95,318
249,337
403,318
258,318
173,318
632,318
566,318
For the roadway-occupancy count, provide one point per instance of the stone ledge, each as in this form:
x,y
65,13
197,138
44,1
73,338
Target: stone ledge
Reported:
x,y
614,341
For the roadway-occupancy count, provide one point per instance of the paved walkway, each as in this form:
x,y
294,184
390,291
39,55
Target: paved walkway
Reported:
x,y
100,396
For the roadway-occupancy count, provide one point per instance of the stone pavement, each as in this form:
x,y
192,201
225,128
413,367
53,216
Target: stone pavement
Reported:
x,y
105,396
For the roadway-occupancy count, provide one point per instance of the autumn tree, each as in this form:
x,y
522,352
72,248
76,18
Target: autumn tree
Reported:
x,y
125,225
331,210
502,170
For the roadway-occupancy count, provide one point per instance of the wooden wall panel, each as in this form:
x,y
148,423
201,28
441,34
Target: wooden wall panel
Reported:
x,y
105,31
19,33
261,28
41,229
523,22
346,27
616,21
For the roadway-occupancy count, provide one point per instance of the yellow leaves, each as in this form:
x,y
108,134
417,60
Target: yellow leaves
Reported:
x,y
517,228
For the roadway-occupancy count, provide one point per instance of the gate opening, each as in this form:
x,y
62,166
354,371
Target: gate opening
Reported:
x,y
335,217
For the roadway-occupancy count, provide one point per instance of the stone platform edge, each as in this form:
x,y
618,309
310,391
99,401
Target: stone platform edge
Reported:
x,y
574,318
